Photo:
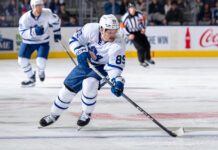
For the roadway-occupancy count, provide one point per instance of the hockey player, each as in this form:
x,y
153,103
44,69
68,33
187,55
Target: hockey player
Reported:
x,y
34,30
105,48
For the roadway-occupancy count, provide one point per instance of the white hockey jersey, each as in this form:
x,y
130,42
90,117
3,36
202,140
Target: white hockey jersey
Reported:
x,y
112,54
28,21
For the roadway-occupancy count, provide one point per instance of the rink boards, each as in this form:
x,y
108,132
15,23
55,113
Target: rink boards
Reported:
x,y
169,41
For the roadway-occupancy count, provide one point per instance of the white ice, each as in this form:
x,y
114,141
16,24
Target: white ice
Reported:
x,y
177,92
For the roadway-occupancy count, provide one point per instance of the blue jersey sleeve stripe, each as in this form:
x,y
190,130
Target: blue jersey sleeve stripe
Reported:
x,y
56,23
23,30
36,40
114,66
78,47
73,39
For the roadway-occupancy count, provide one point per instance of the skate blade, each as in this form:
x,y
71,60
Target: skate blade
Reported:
x,y
40,127
79,128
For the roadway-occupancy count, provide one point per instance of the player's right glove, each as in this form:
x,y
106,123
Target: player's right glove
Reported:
x,y
118,87
82,56
39,30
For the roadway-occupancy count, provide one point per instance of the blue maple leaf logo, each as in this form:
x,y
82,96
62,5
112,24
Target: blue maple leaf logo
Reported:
x,y
93,51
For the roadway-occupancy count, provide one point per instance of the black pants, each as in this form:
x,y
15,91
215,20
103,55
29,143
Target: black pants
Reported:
x,y
143,47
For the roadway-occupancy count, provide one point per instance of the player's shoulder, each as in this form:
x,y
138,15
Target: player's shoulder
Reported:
x,y
46,11
25,16
91,28
118,45
119,37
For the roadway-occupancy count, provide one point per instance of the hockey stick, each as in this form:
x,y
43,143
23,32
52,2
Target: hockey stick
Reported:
x,y
178,132
65,49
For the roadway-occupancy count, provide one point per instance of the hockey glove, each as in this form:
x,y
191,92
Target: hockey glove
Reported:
x,y
57,37
118,87
39,30
82,56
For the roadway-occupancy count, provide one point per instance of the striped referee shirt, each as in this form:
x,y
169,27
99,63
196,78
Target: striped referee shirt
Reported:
x,y
131,24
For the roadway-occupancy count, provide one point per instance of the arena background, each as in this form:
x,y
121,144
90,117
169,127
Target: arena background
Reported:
x,y
190,38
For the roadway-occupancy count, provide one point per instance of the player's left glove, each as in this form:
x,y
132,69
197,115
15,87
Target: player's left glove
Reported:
x,y
82,56
57,37
118,87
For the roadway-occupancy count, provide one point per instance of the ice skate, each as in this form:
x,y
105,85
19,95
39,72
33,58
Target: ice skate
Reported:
x,y
144,64
41,76
83,120
30,82
48,120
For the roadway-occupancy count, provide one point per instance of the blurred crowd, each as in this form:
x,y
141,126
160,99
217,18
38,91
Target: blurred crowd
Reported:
x,y
12,9
170,12
157,12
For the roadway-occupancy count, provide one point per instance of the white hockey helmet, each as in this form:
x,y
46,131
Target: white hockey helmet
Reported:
x,y
109,22
36,2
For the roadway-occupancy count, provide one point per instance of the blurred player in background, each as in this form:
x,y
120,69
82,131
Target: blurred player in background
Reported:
x,y
105,48
133,24
34,30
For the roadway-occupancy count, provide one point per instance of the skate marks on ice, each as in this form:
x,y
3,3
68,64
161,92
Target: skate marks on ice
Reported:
x,y
131,129
69,132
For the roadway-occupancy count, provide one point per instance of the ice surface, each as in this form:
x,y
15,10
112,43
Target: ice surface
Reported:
x,y
177,92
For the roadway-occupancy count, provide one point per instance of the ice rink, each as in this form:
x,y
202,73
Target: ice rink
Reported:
x,y
181,92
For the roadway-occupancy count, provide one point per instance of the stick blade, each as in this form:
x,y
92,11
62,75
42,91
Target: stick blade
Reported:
x,y
180,132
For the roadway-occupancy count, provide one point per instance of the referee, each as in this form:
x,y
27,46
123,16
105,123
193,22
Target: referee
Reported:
x,y
133,24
